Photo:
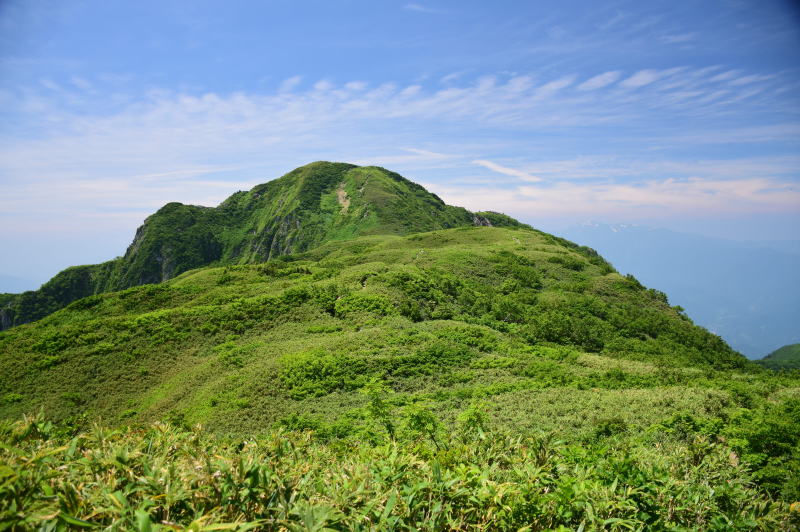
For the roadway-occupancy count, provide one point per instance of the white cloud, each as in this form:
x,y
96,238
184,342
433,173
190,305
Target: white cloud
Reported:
x,y
519,84
641,78
724,76
599,81
419,8
548,89
289,84
411,90
80,83
494,167
745,80
355,85
656,198
678,38
486,83
323,85
49,84
413,157
453,76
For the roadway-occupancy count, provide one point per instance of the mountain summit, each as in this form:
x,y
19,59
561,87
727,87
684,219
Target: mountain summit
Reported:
x,y
311,205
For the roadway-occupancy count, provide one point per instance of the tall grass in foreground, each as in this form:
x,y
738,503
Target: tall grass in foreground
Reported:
x,y
163,478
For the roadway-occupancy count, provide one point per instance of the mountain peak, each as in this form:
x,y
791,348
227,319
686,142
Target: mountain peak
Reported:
x,y
316,203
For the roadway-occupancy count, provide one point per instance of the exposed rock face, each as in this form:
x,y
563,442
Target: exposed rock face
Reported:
x,y
6,318
480,221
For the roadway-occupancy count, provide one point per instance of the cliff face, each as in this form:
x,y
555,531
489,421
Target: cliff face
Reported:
x,y
311,205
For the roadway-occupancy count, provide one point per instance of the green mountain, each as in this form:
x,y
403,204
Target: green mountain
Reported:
x,y
459,374
464,312
784,358
317,203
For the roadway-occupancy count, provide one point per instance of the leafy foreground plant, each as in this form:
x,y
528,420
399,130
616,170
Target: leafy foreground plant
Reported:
x,y
163,478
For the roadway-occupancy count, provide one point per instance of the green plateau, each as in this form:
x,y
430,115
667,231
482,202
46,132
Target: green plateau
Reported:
x,y
340,350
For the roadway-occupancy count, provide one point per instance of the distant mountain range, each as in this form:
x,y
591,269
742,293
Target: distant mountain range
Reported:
x,y
747,292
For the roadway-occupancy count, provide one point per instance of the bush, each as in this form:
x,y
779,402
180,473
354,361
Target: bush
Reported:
x,y
316,373
118,479
369,303
769,440
610,426
12,397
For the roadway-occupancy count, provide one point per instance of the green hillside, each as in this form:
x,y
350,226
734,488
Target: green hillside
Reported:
x,y
466,377
785,358
316,203
446,314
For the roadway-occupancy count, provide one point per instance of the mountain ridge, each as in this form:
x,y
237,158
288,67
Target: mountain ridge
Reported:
x,y
308,206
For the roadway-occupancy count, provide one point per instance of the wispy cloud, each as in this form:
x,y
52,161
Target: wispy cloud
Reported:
x,y
453,76
411,158
289,84
80,83
49,84
355,85
323,85
678,38
550,88
746,80
419,8
599,81
494,167
222,142
724,76
652,199
641,78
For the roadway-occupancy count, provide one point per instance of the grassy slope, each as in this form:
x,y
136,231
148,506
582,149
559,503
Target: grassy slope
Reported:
x,y
785,358
442,316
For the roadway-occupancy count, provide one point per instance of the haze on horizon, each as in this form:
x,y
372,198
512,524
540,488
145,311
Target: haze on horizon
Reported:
x,y
677,115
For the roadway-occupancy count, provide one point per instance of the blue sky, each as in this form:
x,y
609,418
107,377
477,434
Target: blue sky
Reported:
x,y
684,115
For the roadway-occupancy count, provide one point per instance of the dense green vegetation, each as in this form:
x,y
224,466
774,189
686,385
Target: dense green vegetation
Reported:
x,y
468,377
316,203
677,475
445,315
785,358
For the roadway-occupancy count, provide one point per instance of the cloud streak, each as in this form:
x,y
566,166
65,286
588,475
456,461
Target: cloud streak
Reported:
x,y
641,78
599,81
650,199
419,8
494,167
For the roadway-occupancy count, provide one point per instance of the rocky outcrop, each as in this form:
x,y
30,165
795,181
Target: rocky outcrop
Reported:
x,y
481,221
